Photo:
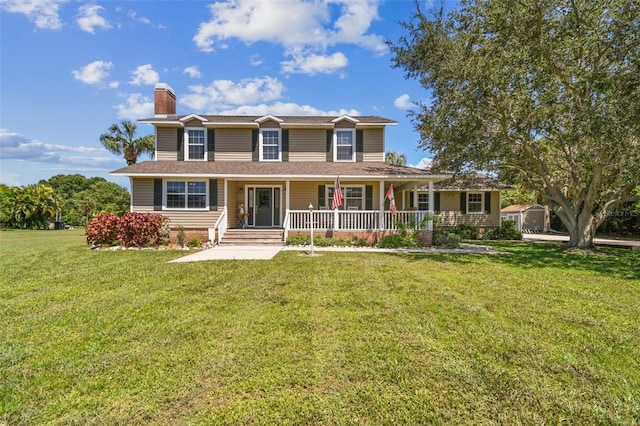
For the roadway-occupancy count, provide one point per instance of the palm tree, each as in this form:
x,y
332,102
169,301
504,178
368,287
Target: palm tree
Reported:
x,y
121,140
396,159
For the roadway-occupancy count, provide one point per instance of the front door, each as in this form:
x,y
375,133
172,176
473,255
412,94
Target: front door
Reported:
x,y
264,206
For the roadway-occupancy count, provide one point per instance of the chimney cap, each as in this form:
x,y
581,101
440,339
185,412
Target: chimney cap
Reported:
x,y
164,87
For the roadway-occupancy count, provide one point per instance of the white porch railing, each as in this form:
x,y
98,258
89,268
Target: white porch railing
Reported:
x,y
220,226
354,220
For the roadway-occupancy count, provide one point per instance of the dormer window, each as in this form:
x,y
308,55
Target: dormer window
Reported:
x,y
196,144
345,145
270,145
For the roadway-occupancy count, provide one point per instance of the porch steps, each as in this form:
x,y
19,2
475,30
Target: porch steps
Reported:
x,y
252,236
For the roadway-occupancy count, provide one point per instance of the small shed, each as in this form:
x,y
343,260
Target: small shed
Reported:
x,y
528,217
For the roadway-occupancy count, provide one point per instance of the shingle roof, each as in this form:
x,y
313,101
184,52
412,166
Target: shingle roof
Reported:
x,y
293,119
274,169
471,181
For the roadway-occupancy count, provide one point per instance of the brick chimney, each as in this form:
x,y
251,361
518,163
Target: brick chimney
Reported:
x,y
164,99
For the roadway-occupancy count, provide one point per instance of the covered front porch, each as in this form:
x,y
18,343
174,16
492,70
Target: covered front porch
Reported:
x,y
300,205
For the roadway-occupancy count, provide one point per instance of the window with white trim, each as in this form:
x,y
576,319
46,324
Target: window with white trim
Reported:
x,y
345,148
423,201
196,144
186,195
270,141
475,202
353,197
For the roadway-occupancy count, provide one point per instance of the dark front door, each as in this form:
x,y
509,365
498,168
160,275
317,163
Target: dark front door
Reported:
x,y
264,206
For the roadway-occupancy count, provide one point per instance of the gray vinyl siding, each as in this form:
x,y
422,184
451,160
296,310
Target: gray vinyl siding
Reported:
x,y
307,145
373,145
142,195
142,190
166,141
233,145
451,215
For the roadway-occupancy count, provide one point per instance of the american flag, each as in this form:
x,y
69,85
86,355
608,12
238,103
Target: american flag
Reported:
x,y
337,196
392,200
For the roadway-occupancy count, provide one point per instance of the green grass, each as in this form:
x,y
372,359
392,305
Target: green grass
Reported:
x,y
536,337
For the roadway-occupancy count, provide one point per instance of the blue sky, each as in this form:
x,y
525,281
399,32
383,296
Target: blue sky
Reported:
x,y
70,69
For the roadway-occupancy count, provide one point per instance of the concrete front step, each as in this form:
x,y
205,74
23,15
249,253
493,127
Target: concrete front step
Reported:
x,y
252,237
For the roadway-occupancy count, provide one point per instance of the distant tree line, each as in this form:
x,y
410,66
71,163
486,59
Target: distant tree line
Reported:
x,y
72,199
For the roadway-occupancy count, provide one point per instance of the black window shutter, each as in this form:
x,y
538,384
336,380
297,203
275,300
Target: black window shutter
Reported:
x,y
329,145
487,202
157,194
211,145
463,202
411,199
285,145
213,194
436,201
180,144
368,197
322,201
255,151
359,144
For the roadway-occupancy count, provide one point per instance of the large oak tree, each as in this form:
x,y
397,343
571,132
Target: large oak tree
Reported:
x,y
547,93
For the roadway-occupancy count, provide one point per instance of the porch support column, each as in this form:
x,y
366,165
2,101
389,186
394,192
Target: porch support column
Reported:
x,y
404,195
431,201
383,225
415,197
287,190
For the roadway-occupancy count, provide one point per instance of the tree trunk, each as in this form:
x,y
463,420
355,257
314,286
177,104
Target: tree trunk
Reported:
x,y
582,231
131,156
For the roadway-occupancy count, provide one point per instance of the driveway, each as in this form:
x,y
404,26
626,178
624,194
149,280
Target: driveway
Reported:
x,y
634,244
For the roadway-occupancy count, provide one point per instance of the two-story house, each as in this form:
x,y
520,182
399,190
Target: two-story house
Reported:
x,y
211,173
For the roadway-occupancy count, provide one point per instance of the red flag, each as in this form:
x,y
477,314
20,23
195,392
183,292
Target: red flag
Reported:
x,y
392,199
337,196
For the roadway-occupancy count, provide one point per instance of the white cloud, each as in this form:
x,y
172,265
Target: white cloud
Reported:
x,y
16,146
94,73
303,28
404,102
144,75
134,16
256,60
89,18
225,93
136,106
314,64
280,108
44,13
193,72
425,163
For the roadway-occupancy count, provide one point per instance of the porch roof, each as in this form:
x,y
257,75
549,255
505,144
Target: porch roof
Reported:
x,y
282,170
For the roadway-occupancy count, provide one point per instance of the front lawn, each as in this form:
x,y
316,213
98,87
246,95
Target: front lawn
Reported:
x,y
538,336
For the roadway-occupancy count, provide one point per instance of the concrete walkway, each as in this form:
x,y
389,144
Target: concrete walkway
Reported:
x,y
268,252
232,253
564,238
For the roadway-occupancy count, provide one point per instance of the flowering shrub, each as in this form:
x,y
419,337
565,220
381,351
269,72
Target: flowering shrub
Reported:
x,y
139,229
103,229
132,229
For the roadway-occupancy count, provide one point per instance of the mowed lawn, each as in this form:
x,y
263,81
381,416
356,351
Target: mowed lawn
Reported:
x,y
535,337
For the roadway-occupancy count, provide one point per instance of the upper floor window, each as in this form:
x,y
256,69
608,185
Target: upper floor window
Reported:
x,y
270,145
196,144
475,202
186,194
345,145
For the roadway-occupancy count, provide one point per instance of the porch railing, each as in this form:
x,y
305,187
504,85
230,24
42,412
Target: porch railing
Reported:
x,y
220,226
355,220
